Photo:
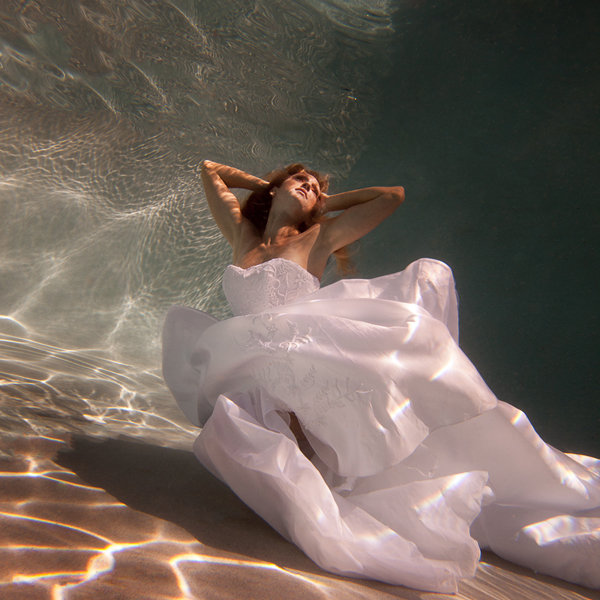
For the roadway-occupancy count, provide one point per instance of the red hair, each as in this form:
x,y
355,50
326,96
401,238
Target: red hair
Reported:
x,y
258,205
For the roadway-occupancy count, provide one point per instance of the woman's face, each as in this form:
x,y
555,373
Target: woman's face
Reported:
x,y
302,187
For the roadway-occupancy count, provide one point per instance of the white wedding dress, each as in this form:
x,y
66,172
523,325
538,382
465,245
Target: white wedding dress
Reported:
x,y
415,463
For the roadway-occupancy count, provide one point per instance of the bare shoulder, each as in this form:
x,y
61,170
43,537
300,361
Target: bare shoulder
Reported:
x,y
247,239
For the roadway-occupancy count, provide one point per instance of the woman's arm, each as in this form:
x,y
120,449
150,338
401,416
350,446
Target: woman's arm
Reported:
x,y
363,210
234,178
224,206
345,200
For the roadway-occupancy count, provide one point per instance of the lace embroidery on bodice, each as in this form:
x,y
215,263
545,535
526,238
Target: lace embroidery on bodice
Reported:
x,y
266,285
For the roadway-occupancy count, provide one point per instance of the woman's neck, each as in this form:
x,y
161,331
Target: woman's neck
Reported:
x,y
280,226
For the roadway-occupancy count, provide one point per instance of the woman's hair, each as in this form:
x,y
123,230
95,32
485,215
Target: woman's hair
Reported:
x,y
258,205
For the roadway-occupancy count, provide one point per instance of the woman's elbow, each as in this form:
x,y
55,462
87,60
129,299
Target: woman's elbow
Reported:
x,y
206,165
397,195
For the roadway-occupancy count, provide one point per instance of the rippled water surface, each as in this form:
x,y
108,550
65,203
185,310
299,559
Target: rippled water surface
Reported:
x,y
106,110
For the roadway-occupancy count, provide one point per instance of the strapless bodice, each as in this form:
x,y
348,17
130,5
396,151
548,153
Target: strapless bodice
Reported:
x,y
267,285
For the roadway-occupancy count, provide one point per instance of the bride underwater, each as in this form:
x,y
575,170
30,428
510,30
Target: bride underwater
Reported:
x,y
348,417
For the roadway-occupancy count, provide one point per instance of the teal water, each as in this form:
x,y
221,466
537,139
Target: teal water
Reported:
x,y
492,124
486,113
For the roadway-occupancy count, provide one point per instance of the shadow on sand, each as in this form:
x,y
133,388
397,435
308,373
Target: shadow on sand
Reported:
x,y
171,485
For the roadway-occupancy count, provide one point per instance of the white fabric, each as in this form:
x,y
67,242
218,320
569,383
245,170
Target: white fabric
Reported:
x,y
415,459
274,284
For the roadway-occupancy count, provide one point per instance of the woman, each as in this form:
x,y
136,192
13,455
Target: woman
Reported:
x,y
290,227
348,417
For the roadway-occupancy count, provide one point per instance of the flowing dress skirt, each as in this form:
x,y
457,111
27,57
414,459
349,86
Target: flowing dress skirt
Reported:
x,y
414,464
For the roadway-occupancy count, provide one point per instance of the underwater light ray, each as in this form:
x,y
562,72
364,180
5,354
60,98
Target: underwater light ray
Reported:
x,y
413,324
443,369
562,527
87,532
176,561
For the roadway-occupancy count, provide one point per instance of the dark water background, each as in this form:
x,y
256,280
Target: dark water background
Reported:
x,y
487,113
490,119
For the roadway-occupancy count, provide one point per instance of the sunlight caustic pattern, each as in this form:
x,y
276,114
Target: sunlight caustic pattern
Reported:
x,y
45,389
563,526
563,466
105,116
61,539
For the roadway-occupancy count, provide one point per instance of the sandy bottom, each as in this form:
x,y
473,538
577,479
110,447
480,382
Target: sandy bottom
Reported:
x,y
116,519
